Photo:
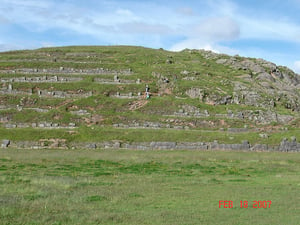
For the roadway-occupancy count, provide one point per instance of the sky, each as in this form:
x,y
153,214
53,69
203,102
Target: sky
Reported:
x,y
268,29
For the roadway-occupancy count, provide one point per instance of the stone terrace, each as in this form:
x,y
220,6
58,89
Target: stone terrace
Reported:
x,y
72,71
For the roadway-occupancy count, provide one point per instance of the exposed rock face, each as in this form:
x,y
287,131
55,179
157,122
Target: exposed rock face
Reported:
x,y
266,85
265,76
267,79
195,93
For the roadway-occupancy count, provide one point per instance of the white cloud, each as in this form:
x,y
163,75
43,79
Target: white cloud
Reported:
x,y
8,47
200,44
186,11
124,12
217,29
144,28
266,29
208,33
296,66
191,43
4,20
27,3
222,8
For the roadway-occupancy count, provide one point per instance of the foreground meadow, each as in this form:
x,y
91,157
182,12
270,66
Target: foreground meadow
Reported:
x,y
152,187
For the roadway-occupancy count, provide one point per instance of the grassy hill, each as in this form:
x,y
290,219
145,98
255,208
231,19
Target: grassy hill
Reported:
x,y
96,94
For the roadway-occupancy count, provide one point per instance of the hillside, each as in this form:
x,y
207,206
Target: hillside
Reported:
x,y
94,97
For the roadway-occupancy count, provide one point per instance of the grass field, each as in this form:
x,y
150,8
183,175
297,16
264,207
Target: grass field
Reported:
x,y
147,187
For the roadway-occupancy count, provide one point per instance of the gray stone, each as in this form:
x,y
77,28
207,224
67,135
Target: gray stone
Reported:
x,y
91,146
72,125
178,127
8,125
240,115
237,130
42,125
195,93
225,100
260,147
116,145
163,145
48,124
116,78
169,61
191,146
214,145
230,114
289,146
264,135
184,72
265,76
221,61
245,145
5,143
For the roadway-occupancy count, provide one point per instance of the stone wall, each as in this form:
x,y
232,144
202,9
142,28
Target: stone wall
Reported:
x,y
45,93
63,94
285,145
10,91
81,112
20,108
257,116
150,125
116,80
191,111
62,70
40,125
129,95
41,144
41,79
289,146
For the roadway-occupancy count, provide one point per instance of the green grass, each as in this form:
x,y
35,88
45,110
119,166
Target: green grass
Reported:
x,y
154,187
100,134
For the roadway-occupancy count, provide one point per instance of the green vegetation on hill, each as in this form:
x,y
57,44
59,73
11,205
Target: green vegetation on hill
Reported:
x,y
233,91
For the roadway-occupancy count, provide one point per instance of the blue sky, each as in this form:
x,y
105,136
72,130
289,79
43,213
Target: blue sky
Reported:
x,y
268,29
